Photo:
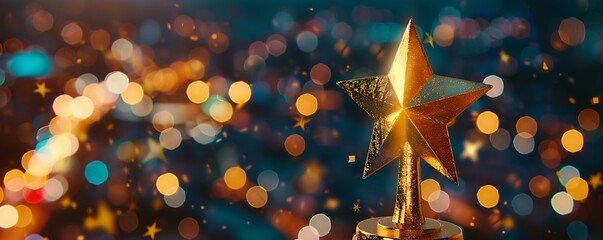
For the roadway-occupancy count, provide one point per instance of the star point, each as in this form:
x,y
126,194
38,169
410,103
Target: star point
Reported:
x,y
155,151
470,150
41,89
429,39
504,57
151,231
595,181
356,207
301,122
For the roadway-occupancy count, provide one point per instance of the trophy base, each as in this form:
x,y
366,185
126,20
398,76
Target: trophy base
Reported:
x,y
378,228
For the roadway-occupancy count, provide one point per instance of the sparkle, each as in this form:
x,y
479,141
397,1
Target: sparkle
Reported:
x,y
351,158
504,57
356,207
544,66
41,89
470,150
155,151
104,219
301,122
151,231
595,181
429,39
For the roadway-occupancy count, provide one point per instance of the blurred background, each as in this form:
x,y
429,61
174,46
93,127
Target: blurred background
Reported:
x,y
156,119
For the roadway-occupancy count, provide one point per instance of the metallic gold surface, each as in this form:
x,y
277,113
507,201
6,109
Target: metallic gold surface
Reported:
x,y
386,227
411,107
371,229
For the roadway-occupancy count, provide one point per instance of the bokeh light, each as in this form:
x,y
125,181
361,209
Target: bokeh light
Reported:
x,y
429,186
268,179
523,143
540,186
170,138
188,228
577,188
577,230
498,86
308,233
221,111
439,201
117,82
307,41
96,172
82,107
322,224
235,178
526,124
487,196
167,184
571,31
197,92
522,204
133,93
589,119
10,216
572,140
306,104
295,144
175,200
239,92
487,122
566,173
25,216
562,203
501,139
320,74
256,196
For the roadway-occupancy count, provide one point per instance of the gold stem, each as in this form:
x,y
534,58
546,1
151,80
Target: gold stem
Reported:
x,y
408,213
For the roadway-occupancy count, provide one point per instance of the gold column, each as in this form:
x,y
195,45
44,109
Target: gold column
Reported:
x,y
408,212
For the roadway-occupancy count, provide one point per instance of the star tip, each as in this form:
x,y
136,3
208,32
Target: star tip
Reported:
x,y
411,22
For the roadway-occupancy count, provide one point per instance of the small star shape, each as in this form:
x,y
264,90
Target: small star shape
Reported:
x,y
595,181
356,207
429,39
41,89
301,122
155,151
504,57
470,150
151,231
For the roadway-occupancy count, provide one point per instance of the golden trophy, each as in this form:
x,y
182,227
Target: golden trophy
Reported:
x,y
412,108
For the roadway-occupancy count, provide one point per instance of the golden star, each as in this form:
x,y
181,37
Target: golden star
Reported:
x,y
595,181
151,231
301,122
504,57
470,150
410,104
356,207
429,39
41,89
155,151
104,219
